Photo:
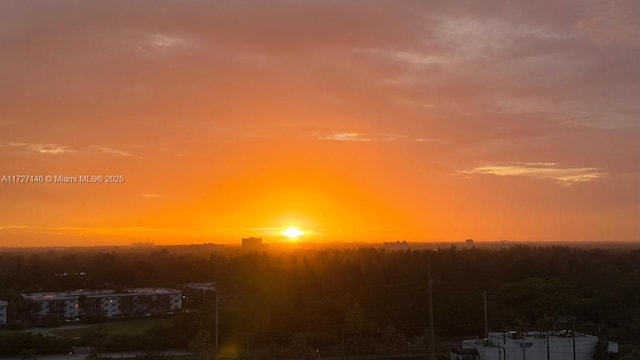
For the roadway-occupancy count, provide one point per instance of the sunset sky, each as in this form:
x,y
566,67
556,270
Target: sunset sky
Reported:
x,y
353,120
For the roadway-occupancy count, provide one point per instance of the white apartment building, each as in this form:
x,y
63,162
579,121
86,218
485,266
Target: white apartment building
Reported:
x,y
108,303
559,345
3,312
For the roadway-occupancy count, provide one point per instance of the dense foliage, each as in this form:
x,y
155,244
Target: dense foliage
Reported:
x,y
348,299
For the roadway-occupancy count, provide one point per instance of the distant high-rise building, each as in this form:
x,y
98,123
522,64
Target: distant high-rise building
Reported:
x,y
252,243
468,243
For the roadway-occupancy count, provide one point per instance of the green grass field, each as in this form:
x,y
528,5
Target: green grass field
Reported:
x,y
131,327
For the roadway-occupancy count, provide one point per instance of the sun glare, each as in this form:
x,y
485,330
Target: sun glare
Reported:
x,y
292,233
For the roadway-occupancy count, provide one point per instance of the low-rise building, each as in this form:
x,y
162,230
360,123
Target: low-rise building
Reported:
x,y
252,244
558,345
108,303
468,244
3,312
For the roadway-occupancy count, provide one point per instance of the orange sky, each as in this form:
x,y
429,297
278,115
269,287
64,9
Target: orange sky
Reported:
x,y
384,121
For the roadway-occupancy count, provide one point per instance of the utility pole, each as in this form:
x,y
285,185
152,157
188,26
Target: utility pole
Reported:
x,y
573,334
603,340
249,345
504,347
431,341
548,352
217,304
342,342
486,320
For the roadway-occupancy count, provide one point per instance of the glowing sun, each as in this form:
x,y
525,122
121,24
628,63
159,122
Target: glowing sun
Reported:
x,y
292,233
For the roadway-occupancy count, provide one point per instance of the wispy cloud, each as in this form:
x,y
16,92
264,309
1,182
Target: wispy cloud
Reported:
x,y
563,176
276,231
266,229
51,149
611,26
166,40
108,150
13,227
344,136
152,196
354,136
81,230
407,56
358,137
156,41
56,149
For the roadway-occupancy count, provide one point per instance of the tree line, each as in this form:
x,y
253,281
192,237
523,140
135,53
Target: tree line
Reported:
x,y
352,301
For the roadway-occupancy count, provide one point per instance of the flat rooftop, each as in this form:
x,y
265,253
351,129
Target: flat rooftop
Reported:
x,y
514,336
210,286
68,295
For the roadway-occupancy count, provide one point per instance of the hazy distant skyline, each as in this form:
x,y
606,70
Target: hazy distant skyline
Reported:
x,y
372,121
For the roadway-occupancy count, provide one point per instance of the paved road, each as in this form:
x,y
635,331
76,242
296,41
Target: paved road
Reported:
x,y
81,356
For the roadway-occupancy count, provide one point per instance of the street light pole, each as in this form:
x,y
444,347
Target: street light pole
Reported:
x,y
431,341
217,302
